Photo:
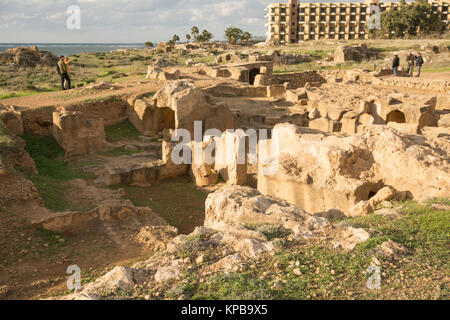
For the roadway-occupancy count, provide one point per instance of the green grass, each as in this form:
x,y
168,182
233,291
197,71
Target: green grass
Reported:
x,y
123,131
421,228
49,158
394,48
327,273
436,69
52,171
17,94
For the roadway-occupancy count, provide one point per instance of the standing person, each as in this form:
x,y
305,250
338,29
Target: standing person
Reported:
x,y
395,64
62,70
411,60
67,61
419,63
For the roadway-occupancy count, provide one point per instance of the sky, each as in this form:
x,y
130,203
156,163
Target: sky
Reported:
x,y
125,21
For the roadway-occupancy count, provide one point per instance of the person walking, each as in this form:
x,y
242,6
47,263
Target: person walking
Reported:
x,y
419,64
63,72
395,64
411,59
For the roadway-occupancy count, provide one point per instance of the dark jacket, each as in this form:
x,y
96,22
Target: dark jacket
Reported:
x,y
419,61
411,58
396,62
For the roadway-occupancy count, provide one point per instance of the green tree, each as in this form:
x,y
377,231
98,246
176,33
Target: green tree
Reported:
x,y
233,34
188,38
411,19
205,36
149,44
176,38
195,33
246,36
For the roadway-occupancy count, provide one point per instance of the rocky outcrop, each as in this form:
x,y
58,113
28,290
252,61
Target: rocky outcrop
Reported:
x,y
234,205
155,72
28,57
318,172
77,134
352,53
12,119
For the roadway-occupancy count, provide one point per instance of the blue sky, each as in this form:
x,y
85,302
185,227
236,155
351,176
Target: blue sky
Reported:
x,y
125,20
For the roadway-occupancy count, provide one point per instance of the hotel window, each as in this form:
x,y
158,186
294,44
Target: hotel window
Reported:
x,y
273,19
362,17
331,29
322,29
341,37
353,18
332,18
302,10
302,18
352,29
283,10
302,29
313,10
333,10
341,29
283,18
323,18
323,10
342,18
282,29
353,9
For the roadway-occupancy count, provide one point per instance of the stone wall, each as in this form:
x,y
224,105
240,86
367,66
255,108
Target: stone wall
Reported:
x,y
113,110
300,79
77,134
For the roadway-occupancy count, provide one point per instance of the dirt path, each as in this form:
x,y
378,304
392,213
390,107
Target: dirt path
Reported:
x,y
77,95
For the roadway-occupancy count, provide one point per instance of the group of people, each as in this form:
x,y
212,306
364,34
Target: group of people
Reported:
x,y
412,60
63,70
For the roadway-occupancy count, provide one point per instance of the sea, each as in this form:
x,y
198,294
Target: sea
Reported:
x,y
66,49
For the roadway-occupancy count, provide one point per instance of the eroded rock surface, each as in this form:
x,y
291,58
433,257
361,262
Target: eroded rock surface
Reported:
x,y
319,171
